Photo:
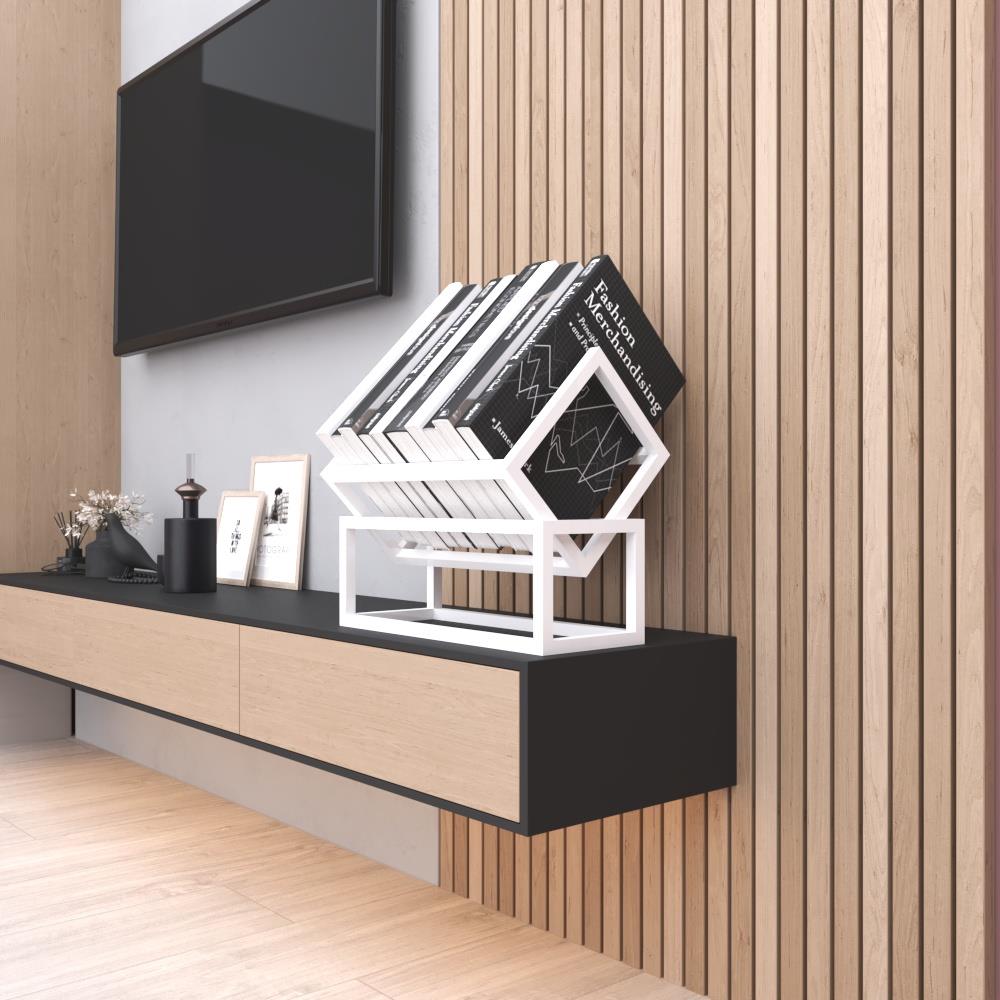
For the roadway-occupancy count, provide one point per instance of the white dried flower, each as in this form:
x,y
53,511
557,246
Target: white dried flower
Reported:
x,y
100,504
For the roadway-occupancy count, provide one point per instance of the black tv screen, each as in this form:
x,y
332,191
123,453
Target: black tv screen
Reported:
x,y
254,172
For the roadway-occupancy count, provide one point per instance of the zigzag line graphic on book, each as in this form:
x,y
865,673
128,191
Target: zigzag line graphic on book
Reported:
x,y
536,389
602,461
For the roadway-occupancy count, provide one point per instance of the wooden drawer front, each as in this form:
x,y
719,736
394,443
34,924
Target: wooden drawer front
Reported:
x,y
442,727
186,666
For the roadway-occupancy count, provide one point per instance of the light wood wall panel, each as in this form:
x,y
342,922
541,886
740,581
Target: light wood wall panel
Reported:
x,y
59,384
800,192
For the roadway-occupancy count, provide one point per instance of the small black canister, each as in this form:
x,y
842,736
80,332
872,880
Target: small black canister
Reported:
x,y
189,544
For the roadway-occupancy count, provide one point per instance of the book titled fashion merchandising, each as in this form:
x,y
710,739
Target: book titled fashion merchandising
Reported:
x,y
591,444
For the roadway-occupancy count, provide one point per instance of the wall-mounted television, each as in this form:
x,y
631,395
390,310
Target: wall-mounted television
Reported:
x,y
255,172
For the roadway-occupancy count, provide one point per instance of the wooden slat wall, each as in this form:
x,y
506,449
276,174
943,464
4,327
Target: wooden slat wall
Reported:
x,y
59,382
800,191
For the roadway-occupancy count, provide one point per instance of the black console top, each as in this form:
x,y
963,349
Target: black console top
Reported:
x,y
307,612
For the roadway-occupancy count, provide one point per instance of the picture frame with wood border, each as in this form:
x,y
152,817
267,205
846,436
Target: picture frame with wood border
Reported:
x,y
284,480
236,572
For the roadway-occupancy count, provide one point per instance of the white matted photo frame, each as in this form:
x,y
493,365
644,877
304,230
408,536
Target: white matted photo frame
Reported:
x,y
241,516
284,481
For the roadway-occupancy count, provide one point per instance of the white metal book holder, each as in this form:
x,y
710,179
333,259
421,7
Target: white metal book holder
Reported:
x,y
554,552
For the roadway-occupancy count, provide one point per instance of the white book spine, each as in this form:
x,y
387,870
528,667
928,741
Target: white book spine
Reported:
x,y
343,454
460,500
451,444
490,500
474,444
433,504
403,505
415,492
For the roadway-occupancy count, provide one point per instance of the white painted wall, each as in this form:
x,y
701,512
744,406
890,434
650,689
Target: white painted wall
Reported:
x,y
264,390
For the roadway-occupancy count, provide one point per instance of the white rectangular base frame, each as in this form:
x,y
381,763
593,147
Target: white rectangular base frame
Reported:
x,y
541,634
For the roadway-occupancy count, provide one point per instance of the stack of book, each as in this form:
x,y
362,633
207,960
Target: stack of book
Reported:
x,y
470,375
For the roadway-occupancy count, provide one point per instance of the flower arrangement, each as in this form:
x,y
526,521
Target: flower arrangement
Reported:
x,y
101,504
72,530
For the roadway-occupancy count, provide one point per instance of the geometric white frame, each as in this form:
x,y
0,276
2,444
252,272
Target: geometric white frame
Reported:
x,y
554,552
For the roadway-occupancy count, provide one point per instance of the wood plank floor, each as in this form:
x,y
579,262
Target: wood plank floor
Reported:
x,y
117,882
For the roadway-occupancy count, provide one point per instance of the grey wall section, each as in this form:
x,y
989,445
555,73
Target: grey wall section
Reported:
x,y
394,830
32,708
263,391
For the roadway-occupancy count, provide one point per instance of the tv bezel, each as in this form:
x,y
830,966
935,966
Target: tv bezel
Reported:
x,y
381,281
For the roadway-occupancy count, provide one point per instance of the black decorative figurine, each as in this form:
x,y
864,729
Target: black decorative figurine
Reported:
x,y
189,543
140,567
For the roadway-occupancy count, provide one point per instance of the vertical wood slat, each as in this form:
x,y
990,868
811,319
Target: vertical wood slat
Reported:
x,y
717,457
875,492
938,506
819,503
975,512
593,881
815,292
574,140
593,192
695,449
651,169
611,882
673,597
632,888
742,451
905,705
847,265
505,872
766,505
791,548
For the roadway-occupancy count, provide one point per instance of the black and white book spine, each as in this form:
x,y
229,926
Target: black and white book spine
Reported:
x,y
475,382
441,433
365,415
473,387
528,285
442,302
374,400
482,498
452,341
452,378
396,500
445,496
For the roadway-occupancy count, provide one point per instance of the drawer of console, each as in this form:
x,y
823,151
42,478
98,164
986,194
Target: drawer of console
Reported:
x,y
445,728
177,664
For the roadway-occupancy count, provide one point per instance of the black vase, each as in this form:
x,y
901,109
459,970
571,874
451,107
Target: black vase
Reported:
x,y
101,560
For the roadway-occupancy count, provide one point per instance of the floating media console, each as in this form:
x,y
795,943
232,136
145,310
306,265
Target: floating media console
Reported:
x,y
528,743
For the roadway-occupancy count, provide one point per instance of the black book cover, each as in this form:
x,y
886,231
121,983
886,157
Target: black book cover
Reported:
x,y
577,463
